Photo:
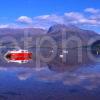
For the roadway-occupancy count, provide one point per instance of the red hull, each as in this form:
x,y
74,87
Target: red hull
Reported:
x,y
19,56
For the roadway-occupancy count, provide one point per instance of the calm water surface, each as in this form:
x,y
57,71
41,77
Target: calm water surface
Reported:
x,y
44,84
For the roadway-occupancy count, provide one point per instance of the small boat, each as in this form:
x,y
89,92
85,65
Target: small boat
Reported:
x,y
18,56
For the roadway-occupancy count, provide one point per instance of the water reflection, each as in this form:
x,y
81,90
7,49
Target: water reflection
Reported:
x,y
45,84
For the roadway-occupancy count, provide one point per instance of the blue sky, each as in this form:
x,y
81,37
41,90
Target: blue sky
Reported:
x,y
14,11
15,8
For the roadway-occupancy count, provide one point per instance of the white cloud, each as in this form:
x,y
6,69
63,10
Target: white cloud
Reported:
x,y
78,18
88,21
25,20
12,25
74,15
92,10
43,17
45,21
4,25
50,18
74,18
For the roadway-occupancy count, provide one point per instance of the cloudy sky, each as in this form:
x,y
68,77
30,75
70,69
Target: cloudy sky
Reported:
x,y
43,14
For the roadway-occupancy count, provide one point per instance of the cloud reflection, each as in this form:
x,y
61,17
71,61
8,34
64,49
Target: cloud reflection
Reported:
x,y
86,77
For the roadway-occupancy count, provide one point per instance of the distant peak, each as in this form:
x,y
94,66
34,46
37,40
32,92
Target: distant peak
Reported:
x,y
62,27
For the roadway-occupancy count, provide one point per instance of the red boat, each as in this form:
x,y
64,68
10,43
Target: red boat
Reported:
x,y
18,56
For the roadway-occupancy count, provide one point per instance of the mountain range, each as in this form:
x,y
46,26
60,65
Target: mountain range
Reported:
x,y
16,38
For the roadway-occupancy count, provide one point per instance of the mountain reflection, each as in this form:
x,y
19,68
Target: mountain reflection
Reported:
x,y
25,83
87,77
